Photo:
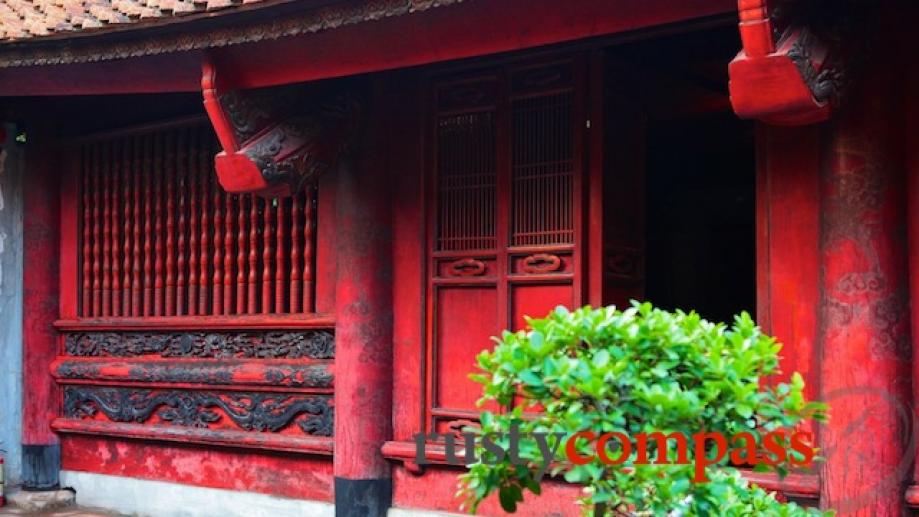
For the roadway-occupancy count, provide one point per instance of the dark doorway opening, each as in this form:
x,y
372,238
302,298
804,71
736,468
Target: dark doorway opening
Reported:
x,y
695,170
701,247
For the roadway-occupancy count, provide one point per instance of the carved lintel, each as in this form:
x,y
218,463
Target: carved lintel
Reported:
x,y
272,144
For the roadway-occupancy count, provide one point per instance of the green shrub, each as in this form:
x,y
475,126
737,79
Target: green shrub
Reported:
x,y
634,371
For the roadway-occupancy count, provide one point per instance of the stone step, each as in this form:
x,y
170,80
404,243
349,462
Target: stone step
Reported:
x,y
40,501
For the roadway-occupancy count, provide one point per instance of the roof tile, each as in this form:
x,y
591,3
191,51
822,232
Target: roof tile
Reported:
x,y
26,19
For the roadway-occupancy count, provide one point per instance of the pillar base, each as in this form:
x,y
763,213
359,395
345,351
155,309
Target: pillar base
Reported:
x,y
41,466
362,497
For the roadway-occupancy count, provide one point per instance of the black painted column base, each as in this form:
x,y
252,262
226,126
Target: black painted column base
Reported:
x,y
41,467
362,497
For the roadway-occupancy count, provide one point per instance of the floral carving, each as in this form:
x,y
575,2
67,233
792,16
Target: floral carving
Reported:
x,y
313,344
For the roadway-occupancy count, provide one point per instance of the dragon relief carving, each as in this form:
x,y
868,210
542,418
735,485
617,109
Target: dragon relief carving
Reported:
x,y
259,412
824,84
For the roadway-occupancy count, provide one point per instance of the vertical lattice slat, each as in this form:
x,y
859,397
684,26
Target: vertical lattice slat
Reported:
x,y
86,245
159,246
217,278
116,175
253,254
136,272
267,243
280,259
295,261
128,239
242,237
193,246
170,261
228,256
181,261
106,228
307,255
207,186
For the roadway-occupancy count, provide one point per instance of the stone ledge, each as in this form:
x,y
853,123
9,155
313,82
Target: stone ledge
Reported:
x,y
41,501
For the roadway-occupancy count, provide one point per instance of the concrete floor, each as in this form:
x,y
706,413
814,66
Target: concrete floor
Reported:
x,y
72,511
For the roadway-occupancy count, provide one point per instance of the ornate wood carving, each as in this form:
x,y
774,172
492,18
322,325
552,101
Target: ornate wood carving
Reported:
x,y
794,67
256,411
542,263
314,344
466,267
825,84
274,148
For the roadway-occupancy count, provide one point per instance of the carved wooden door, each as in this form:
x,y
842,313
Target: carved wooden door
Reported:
x,y
506,239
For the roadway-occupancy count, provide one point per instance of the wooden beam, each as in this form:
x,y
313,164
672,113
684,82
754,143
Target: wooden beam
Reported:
x,y
454,32
180,72
466,30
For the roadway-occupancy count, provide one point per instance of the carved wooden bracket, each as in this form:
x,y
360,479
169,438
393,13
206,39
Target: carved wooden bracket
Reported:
x,y
782,79
273,145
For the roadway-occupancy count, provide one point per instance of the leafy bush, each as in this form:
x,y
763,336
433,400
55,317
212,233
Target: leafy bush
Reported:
x,y
634,371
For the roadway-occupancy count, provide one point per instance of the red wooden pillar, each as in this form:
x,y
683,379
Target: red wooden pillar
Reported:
x,y
40,451
911,137
363,326
865,359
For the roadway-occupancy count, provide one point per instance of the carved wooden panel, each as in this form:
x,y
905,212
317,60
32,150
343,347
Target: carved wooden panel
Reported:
x,y
248,411
159,237
262,388
312,344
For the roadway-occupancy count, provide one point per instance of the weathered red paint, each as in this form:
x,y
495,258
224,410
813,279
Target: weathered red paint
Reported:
x,y
41,234
308,375
409,245
435,490
283,474
363,305
865,358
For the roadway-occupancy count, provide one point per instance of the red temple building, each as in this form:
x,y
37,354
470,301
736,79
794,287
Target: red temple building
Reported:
x,y
250,248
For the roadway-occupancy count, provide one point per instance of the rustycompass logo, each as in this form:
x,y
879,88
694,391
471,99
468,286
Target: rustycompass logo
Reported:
x,y
616,448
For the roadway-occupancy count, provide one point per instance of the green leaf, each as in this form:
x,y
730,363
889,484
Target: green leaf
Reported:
x,y
601,358
507,499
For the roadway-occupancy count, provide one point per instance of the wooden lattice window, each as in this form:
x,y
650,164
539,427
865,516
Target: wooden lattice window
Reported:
x,y
466,161
506,237
543,170
159,237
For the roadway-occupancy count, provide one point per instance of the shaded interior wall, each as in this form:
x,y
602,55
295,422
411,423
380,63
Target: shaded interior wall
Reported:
x,y
701,218
11,166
